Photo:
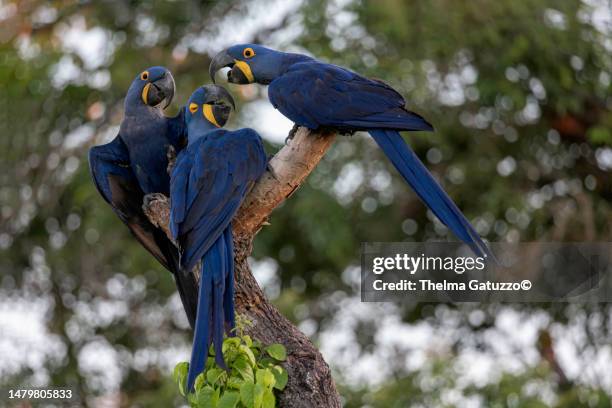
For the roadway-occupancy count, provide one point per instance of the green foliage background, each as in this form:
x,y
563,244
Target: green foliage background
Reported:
x,y
519,93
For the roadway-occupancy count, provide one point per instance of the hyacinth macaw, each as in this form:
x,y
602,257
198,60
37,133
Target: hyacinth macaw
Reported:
x,y
135,164
212,176
314,94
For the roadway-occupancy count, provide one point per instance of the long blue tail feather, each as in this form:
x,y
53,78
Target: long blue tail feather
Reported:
x,y
201,338
428,189
218,295
210,317
228,301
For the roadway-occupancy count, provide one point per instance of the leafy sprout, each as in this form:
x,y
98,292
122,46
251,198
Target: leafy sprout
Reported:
x,y
254,373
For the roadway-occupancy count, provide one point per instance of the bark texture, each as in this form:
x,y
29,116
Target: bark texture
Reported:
x,y
310,381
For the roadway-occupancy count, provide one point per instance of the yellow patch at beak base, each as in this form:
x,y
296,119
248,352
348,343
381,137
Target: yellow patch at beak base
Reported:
x,y
209,115
145,93
246,70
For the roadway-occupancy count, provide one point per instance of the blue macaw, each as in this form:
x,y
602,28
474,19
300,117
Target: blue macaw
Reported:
x,y
211,178
314,94
135,164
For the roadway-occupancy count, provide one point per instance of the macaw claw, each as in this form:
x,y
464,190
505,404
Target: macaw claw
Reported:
x,y
271,170
149,199
292,133
171,155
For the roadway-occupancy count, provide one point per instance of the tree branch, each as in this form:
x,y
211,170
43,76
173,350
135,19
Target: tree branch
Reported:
x,y
310,381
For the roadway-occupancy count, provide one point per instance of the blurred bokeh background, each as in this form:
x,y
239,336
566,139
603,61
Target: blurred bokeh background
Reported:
x,y
519,93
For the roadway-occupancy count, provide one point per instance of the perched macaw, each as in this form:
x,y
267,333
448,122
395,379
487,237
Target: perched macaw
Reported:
x,y
211,178
135,163
314,94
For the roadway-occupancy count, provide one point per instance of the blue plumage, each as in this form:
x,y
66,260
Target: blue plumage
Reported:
x,y
314,94
211,178
135,164
426,187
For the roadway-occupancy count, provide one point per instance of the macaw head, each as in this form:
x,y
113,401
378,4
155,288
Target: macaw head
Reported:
x,y
209,107
152,87
252,63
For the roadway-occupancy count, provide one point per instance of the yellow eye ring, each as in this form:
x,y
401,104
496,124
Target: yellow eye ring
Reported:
x,y
145,75
248,52
193,107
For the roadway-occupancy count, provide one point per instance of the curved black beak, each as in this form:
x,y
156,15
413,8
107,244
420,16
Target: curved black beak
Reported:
x,y
216,94
221,60
240,72
161,90
220,103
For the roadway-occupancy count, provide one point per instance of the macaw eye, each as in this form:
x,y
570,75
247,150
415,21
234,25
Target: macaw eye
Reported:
x,y
144,76
248,52
193,107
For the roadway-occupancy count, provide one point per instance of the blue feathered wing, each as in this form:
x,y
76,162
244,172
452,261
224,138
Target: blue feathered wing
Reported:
x,y
210,180
314,94
114,178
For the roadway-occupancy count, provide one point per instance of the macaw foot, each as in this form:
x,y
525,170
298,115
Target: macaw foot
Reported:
x,y
171,155
292,133
156,206
153,199
271,169
341,130
197,271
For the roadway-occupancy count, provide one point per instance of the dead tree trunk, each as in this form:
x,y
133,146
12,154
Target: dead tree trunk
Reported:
x,y
310,381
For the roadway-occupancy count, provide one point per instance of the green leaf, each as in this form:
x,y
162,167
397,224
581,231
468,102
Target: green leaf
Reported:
x,y
180,370
207,397
180,376
268,399
258,393
235,383
249,354
281,377
246,394
247,340
230,356
267,362
277,351
229,400
210,363
199,382
244,369
230,349
265,377
229,343
213,375
192,400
